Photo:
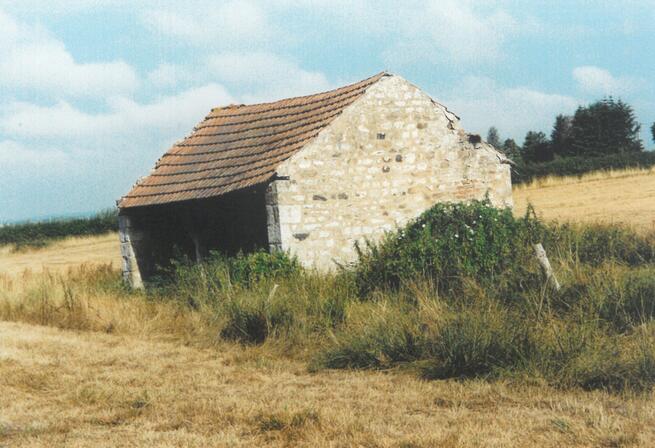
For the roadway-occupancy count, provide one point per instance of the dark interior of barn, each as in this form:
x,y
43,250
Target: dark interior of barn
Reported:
x,y
191,230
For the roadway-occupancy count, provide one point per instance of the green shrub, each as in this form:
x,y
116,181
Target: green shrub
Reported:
x,y
476,341
252,319
255,266
39,234
615,363
572,166
389,336
482,310
455,294
623,300
596,243
450,242
203,282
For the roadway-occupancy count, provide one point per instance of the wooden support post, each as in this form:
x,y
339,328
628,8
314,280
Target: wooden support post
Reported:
x,y
540,252
273,219
197,245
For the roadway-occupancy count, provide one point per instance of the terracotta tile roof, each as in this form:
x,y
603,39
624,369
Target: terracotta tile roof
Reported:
x,y
236,147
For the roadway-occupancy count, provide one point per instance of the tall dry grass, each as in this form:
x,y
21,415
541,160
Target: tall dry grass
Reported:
x,y
555,180
256,352
59,256
505,323
616,196
85,389
92,298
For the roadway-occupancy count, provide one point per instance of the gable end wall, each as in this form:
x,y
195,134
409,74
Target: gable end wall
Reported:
x,y
390,156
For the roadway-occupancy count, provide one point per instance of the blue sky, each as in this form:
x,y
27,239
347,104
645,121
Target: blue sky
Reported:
x,y
92,92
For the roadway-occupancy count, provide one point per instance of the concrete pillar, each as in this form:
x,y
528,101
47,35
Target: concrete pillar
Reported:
x,y
129,240
273,218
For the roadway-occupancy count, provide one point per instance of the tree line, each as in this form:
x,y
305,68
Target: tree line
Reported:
x,y
604,134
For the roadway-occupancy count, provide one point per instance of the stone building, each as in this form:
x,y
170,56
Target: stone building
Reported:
x,y
310,175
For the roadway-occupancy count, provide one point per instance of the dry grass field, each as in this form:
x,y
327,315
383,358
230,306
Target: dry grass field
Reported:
x,y
141,373
626,196
62,255
64,388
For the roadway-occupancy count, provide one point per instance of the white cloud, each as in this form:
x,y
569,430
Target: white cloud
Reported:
x,y
169,75
15,156
251,76
49,67
173,115
60,158
482,103
460,31
466,36
224,24
596,80
440,31
60,7
265,76
30,59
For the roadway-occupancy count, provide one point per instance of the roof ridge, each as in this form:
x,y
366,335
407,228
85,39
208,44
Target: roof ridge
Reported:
x,y
379,75
339,100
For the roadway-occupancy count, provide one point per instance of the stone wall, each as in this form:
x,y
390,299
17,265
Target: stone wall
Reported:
x,y
129,239
389,156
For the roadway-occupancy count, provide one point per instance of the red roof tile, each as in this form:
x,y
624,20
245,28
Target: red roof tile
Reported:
x,y
236,147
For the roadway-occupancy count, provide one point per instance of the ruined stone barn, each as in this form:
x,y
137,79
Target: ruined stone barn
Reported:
x,y
310,175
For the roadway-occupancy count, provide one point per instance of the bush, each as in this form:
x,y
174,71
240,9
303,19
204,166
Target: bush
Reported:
x,y
256,266
202,282
252,319
450,242
382,341
599,243
259,295
476,341
615,363
455,294
39,234
576,166
624,300
482,315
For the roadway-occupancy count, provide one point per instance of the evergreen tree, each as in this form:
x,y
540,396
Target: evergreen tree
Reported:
x,y
493,138
605,127
536,147
560,137
512,150
652,131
